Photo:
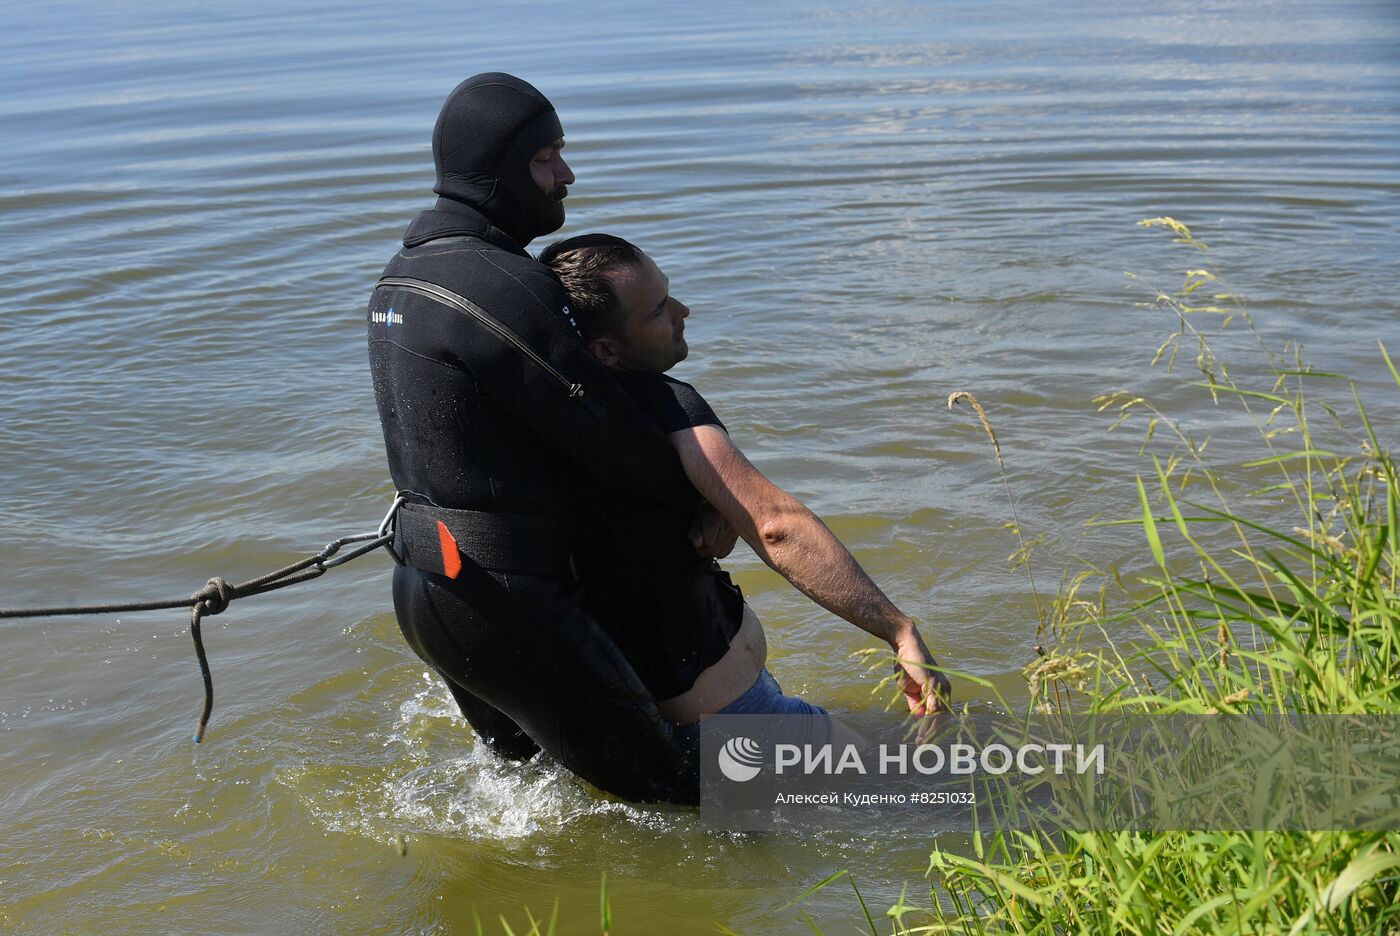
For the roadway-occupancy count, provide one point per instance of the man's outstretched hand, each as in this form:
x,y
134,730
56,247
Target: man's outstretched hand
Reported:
x,y
926,690
711,534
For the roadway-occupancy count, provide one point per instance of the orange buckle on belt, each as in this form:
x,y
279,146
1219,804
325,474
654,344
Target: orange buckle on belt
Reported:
x,y
451,556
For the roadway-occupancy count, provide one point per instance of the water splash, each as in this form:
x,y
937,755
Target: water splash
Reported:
x,y
471,794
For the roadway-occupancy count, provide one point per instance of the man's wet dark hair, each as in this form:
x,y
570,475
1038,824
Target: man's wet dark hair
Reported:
x,y
583,264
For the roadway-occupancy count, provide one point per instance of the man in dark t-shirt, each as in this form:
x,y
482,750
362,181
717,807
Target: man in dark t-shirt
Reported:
x,y
682,623
675,613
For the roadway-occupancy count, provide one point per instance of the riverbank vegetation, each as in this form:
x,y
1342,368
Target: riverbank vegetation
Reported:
x,y
1270,587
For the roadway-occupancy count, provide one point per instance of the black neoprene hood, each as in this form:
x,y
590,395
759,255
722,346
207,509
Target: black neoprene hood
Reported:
x,y
490,127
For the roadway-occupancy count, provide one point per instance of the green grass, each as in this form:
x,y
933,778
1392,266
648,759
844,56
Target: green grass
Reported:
x,y
1272,589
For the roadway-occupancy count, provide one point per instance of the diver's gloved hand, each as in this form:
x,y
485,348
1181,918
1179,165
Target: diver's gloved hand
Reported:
x,y
711,534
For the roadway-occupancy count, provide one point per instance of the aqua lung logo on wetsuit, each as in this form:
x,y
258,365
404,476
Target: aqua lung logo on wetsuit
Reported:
x,y
569,314
387,318
740,759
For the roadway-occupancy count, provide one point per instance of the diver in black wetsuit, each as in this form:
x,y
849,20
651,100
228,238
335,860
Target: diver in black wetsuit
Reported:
x,y
498,423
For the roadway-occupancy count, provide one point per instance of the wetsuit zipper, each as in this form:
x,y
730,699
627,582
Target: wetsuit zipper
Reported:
x,y
461,304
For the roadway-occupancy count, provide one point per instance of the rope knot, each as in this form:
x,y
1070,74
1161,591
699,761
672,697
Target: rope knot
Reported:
x,y
215,595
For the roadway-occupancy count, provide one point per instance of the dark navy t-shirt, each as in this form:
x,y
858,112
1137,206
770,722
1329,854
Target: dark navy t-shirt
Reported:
x,y
671,404
672,612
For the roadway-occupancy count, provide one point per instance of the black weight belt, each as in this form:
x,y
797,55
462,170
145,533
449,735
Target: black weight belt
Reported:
x,y
439,540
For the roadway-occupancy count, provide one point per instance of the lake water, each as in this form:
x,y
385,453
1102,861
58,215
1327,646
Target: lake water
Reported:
x,y
867,207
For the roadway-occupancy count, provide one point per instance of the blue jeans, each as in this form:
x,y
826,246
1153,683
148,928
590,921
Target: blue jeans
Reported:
x,y
765,697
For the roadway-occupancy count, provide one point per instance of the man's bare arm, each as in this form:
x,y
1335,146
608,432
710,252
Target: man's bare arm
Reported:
x,y
794,542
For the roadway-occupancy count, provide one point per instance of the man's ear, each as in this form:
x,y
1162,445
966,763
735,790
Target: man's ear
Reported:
x,y
606,350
